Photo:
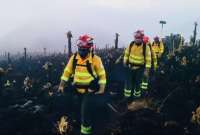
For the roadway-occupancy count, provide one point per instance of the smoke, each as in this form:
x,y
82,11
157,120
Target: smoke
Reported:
x,y
36,24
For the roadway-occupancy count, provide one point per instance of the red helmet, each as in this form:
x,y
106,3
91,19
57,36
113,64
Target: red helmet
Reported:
x,y
85,41
145,39
139,34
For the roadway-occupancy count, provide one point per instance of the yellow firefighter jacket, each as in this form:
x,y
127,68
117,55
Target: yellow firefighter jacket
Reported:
x,y
134,55
154,61
158,48
81,76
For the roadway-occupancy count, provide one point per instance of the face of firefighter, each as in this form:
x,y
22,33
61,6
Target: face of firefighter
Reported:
x,y
156,41
83,52
138,41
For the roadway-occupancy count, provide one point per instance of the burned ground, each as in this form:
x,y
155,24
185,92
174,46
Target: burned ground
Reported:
x,y
174,94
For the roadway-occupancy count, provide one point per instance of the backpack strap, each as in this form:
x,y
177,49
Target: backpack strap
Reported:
x,y
144,52
152,60
74,63
89,69
130,47
159,44
92,54
129,50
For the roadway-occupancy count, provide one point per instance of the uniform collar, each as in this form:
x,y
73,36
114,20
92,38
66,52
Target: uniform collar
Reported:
x,y
89,57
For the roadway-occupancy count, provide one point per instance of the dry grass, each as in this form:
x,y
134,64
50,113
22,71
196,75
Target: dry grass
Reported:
x,y
140,104
196,116
63,126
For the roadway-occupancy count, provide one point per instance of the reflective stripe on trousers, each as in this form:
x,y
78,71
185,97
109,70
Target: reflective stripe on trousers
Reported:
x,y
144,85
86,130
127,93
137,93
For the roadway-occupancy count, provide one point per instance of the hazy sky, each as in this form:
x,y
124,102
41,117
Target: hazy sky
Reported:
x,y
43,23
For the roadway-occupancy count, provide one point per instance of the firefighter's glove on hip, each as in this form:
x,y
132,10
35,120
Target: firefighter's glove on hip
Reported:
x,y
61,87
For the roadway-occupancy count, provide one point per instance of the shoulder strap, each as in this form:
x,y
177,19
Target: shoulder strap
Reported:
x,y
159,44
74,63
89,69
130,47
144,52
152,60
92,54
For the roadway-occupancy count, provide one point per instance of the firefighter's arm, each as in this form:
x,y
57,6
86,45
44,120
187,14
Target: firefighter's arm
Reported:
x,y
125,59
99,68
66,75
148,61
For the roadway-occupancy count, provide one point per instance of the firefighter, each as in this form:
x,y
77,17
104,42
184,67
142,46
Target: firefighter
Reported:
x,y
158,47
89,79
145,80
154,63
137,59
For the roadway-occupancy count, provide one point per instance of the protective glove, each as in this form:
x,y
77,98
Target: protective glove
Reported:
x,y
101,90
61,87
146,73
